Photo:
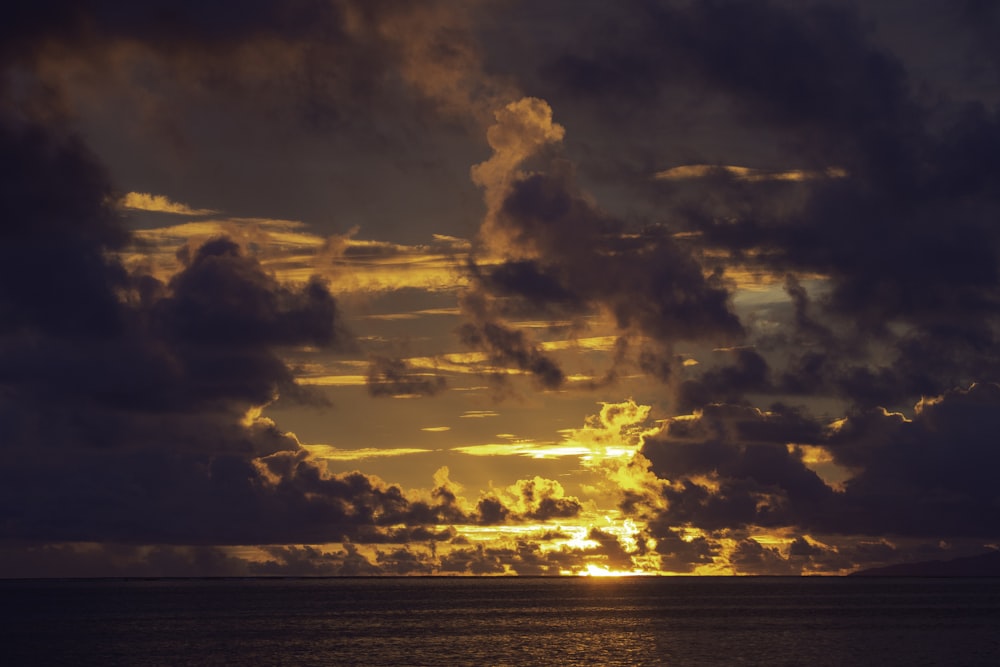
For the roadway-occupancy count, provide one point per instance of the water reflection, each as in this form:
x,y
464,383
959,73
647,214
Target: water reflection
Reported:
x,y
669,621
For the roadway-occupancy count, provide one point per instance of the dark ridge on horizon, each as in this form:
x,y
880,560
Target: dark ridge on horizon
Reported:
x,y
983,565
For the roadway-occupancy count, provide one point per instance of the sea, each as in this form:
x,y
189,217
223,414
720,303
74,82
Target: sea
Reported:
x,y
502,621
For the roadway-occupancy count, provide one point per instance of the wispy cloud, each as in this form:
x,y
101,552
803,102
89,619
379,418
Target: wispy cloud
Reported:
x,y
331,453
334,380
749,174
547,450
144,201
479,414
295,254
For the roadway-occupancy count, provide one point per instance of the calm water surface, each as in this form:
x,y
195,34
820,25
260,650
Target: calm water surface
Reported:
x,y
508,621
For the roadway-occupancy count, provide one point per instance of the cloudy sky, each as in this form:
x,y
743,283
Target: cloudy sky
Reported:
x,y
498,286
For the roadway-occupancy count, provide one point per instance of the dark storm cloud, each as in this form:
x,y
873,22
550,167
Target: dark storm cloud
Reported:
x,y
755,479
307,561
507,347
528,559
678,554
54,275
492,511
806,325
750,556
731,467
124,400
908,238
921,363
563,256
926,476
784,64
614,555
224,298
403,562
523,557
118,560
647,281
476,560
528,280
727,383
904,231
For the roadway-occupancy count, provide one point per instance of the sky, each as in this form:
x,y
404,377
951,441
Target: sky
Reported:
x,y
350,287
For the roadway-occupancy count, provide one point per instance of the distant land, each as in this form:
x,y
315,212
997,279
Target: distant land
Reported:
x,y
984,565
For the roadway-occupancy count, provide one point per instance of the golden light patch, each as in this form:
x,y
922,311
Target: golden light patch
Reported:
x,y
694,171
577,538
541,324
810,454
493,449
391,317
436,429
821,461
595,343
527,448
430,272
928,401
837,425
478,414
460,362
331,453
335,380
455,242
708,481
144,201
617,432
772,539
439,311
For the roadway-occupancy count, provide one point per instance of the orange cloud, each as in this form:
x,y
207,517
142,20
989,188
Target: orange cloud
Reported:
x,y
522,128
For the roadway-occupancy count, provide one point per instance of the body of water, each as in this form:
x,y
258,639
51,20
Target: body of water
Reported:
x,y
503,621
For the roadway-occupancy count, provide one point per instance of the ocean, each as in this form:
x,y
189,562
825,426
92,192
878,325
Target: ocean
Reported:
x,y
502,621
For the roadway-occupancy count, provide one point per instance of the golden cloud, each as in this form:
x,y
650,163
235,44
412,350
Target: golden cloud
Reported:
x,y
144,201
